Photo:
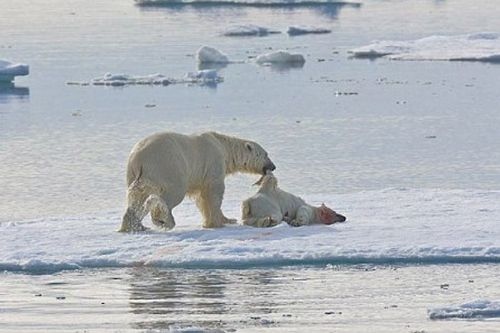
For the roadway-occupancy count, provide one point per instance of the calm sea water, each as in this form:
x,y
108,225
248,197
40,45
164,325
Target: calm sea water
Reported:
x,y
401,124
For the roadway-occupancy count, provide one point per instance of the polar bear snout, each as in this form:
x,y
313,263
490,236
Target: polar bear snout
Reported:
x,y
269,166
340,218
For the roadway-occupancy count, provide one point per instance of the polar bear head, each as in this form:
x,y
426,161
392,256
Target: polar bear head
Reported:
x,y
256,159
244,155
327,215
267,181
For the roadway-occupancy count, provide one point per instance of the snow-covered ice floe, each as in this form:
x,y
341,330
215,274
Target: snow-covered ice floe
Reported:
x,y
9,70
208,76
280,57
110,79
296,30
470,47
393,226
478,309
248,30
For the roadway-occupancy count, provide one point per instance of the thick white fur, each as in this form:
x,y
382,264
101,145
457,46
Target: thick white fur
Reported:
x,y
165,167
271,205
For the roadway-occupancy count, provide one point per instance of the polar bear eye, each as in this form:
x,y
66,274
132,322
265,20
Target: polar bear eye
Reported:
x,y
248,146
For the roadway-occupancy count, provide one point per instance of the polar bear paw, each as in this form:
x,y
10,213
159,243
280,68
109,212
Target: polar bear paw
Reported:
x,y
229,221
268,222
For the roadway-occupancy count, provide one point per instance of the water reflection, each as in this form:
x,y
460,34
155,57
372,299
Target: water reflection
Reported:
x,y
221,8
213,300
9,92
284,67
164,298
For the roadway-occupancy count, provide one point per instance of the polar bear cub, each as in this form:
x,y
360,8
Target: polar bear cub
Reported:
x,y
165,167
271,205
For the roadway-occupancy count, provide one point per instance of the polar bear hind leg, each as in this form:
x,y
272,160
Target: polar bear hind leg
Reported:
x,y
136,210
161,215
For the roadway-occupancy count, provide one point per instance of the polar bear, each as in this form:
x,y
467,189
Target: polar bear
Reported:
x,y
165,167
271,205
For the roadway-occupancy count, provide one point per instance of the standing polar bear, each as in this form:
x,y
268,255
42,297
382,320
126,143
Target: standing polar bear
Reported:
x,y
165,167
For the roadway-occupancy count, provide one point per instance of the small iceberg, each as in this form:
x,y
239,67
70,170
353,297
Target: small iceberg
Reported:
x,y
474,310
9,70
210,55
248,30
117,80
296,30
280,57
484,47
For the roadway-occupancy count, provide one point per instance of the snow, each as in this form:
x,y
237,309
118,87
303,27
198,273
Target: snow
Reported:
x,y
9,70
210,55
296,30
248,30
474,310
483,46
384,227
280,57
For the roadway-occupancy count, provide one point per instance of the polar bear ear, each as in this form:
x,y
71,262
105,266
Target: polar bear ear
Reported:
x,y
248,146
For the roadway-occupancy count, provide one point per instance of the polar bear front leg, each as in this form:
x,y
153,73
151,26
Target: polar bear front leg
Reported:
x,y
263,222
209,202
303,217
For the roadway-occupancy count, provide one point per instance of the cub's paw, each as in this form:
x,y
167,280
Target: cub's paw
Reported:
x,y
269,222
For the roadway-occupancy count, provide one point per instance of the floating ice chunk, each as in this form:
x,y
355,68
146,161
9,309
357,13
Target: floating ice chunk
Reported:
x,y
280,57
118,80
483,46
475,309
210,55
110,79
205,76
296,30
248,30
9,70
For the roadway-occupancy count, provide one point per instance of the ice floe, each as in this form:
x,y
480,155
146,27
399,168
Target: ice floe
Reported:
x,y
296,30
110,79
9,70
280,57
469,47
206,76
474,310
202,77
248,30
384,227
210,55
